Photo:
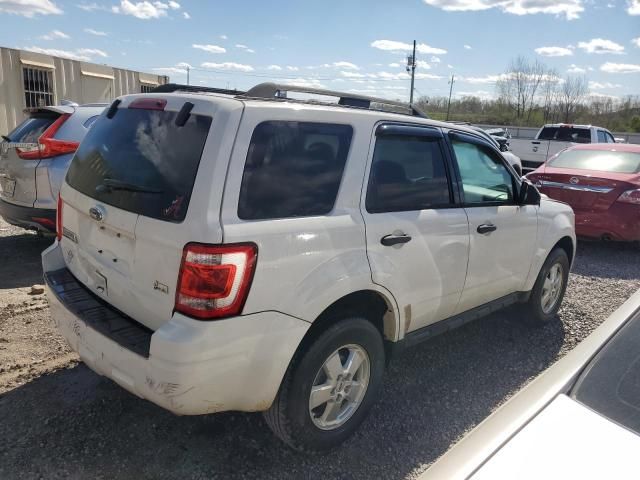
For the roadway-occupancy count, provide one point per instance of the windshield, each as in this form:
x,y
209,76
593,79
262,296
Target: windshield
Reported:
x,y
610,385
604,161
141,161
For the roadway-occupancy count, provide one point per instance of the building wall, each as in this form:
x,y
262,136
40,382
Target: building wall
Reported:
x,y
74,80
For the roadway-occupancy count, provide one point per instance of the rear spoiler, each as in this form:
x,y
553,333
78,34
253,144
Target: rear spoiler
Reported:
x,y
176,87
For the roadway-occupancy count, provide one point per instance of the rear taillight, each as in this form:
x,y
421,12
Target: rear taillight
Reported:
x,y
59,218
149,103
214,281
48,146
630,196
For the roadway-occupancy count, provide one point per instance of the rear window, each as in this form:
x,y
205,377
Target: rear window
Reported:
x,y
566,134
141,161
604,161
293,169
32,128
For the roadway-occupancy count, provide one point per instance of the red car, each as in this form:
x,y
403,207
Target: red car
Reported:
x,y
601,182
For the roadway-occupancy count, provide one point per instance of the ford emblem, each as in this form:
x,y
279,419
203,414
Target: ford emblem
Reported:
x,y
574,180
97,213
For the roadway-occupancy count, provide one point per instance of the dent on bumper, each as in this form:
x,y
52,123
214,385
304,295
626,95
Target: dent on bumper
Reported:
x,y
194,367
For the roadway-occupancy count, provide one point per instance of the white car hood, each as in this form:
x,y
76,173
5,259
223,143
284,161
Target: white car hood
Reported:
x,y
566,440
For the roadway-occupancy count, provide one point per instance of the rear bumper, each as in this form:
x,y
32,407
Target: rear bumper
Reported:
x,y
621,222
188,367
41,219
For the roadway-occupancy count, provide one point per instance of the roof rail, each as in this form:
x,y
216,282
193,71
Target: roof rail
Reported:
x,y
176,87
273,91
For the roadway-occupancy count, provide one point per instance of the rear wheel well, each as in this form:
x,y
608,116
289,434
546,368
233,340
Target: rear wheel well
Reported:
x,y
566,244
368,304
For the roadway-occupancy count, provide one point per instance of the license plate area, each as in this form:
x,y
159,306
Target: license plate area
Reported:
x,y
7,187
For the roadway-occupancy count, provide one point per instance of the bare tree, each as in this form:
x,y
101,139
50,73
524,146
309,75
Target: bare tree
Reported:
x,y
572,92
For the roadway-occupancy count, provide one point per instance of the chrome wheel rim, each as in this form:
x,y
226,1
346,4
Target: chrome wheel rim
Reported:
x,y
339,387
551,288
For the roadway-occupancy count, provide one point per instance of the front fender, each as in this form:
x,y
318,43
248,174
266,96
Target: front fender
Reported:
x,y
555,221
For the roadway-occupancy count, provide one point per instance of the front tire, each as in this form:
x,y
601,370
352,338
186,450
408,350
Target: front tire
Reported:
x,y
547,294
329,387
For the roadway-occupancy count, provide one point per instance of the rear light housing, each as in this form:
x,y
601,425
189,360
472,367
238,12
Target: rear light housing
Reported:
x,y
630,196
47,146
214,280
149,103
59,218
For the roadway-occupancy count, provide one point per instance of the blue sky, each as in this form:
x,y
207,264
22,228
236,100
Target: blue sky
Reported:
x,y
344,45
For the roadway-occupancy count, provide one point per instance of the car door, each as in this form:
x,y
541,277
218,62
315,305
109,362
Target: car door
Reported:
x,y
417,236
502,234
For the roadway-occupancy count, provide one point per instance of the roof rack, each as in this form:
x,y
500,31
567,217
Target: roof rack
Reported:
x,y
176,87
273,91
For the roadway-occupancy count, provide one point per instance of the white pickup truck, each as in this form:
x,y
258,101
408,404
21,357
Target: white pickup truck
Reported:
x,y
553,138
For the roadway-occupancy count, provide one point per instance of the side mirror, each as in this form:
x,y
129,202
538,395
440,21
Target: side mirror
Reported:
x,y
504,147
529,194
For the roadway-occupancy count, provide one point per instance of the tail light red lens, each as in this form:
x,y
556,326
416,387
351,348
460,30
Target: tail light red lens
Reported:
x,y
214,280
59,218
630,196
47,146
149,103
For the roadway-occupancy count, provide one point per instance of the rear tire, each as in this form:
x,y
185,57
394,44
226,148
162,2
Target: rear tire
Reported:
x,y
320,419
548,291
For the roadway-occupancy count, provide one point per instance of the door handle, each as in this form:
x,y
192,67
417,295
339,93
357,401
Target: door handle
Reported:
x,y
486,228
389,240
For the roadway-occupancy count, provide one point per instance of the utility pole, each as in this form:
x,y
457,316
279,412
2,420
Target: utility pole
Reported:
x,y
411,65
451,82
188,68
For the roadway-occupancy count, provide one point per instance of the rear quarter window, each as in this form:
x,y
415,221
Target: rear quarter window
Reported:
x,y
293,169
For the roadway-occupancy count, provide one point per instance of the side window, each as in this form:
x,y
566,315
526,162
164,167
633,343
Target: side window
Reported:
x,y
407,173
610,138
293,169
601,137
485,179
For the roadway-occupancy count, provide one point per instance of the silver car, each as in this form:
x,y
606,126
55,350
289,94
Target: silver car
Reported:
x,y
578,419
34,159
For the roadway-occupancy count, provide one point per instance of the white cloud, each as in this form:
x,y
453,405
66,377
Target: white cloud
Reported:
x,y
274,67
29,8
423,64
55,35
487,79
343,64
97,33
292,69
394,65
83,54
92,52
394,46
186,15
633,7
449,66
600,86
305,82
238,67
467,47
636,42
554,51
143,10
620,68
428,76
435,60
573,68
224,37
174,5
245,48
90,7
170,70
348,74
209,48
600,45
570,9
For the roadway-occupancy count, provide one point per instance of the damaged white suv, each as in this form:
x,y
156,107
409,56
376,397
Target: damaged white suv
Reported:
x,y
260,253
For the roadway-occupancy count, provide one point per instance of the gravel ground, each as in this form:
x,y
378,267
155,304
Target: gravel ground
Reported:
x,y
60,420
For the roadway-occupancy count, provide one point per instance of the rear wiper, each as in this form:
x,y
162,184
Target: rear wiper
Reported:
x,y
110,184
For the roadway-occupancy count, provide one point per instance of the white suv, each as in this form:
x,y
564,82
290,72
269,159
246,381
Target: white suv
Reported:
x,y
260,253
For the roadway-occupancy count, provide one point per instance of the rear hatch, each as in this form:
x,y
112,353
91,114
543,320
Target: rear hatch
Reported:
x,y
128,204
20,155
